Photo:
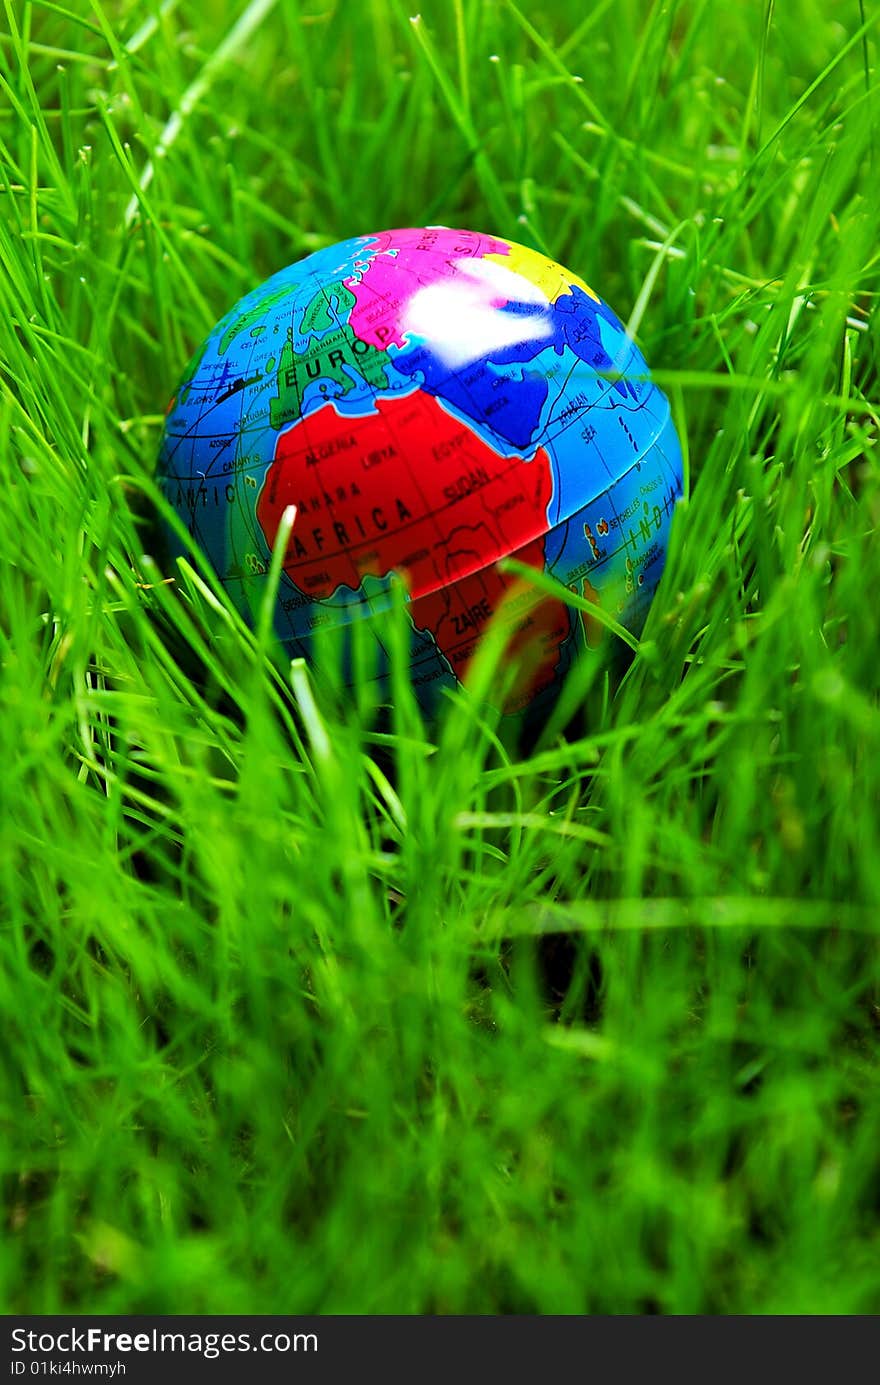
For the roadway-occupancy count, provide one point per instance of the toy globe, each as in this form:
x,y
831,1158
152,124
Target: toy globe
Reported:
x,y
430,401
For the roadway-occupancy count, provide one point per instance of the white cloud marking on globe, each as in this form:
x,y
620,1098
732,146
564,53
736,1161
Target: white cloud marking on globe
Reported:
x,y
460,317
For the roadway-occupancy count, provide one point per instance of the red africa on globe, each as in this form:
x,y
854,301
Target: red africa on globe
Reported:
x,y
362,509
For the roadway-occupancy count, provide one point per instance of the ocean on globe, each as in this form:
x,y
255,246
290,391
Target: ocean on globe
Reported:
x,y
430,401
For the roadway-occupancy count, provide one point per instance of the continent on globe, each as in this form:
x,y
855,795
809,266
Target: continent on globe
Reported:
x,y
409,489
336,355
456,616
544,273
400,265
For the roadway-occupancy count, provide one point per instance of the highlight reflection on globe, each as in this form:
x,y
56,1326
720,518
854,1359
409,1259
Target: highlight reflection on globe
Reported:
x,y
430,401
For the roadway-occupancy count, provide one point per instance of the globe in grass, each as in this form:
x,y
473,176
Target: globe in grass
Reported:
x,y
430,401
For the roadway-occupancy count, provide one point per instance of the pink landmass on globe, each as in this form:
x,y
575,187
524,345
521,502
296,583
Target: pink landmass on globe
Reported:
x,y
387,282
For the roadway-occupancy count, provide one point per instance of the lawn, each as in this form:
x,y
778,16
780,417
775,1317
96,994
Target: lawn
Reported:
x,y
309,1011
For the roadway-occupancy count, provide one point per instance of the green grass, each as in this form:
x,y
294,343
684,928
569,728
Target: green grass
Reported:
x,y
298,1015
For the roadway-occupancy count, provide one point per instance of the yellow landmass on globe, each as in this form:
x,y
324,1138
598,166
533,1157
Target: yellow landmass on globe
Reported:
x,y
549,276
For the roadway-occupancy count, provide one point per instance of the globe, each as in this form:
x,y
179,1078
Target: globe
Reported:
x,y
429,402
